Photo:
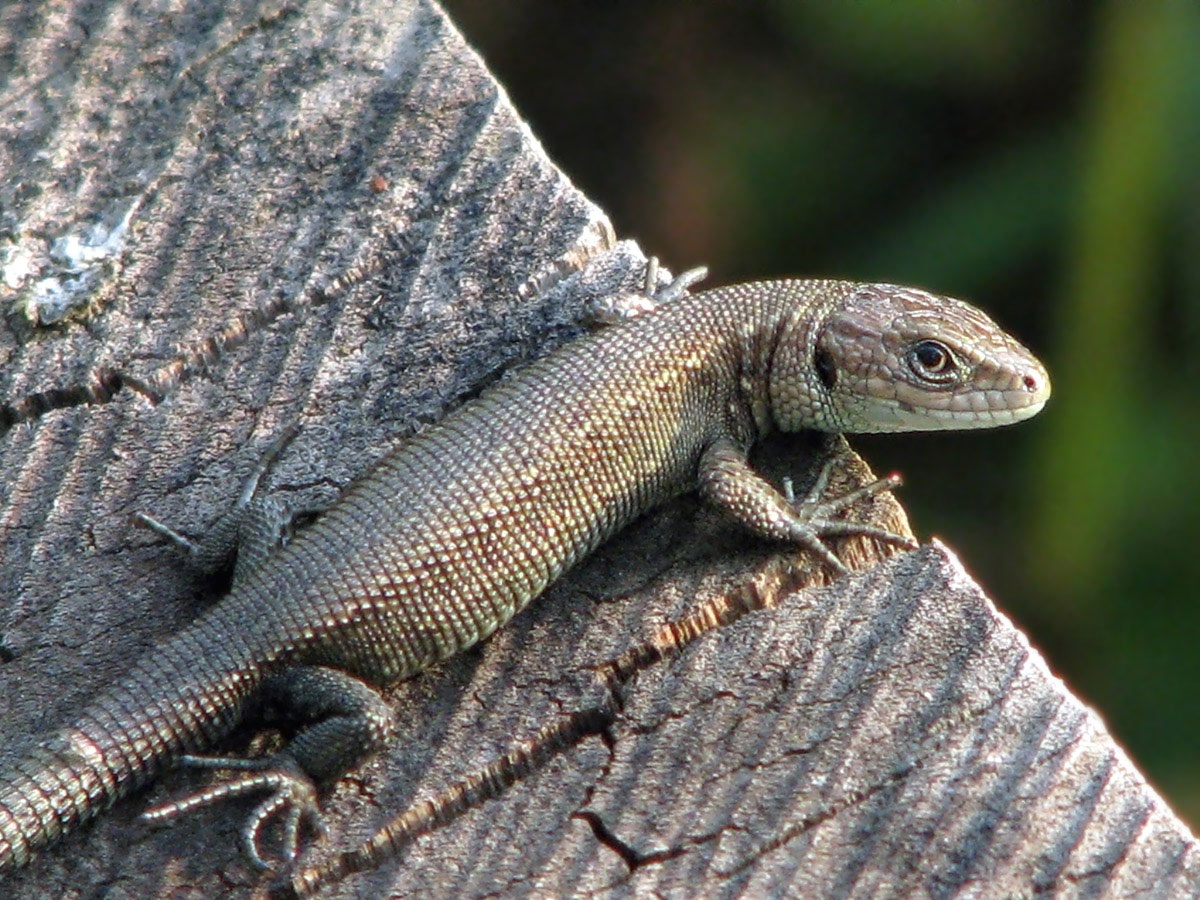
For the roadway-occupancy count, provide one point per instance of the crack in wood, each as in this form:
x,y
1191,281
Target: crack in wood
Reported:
x,y
104,383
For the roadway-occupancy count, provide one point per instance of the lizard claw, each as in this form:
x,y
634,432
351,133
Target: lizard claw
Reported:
x,y
813,515
612,310
296,802
292,796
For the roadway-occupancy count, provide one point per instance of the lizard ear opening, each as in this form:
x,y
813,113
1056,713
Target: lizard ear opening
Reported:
x,y
824,366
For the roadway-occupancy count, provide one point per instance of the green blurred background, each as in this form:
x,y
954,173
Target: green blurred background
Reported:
x,y
1040,159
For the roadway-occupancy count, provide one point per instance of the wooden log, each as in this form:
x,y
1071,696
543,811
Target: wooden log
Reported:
x,y
220,220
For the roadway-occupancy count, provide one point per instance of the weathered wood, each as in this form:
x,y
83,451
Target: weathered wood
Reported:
x,y
347,197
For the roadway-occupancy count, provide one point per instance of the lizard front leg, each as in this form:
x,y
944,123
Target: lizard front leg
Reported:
x,y
729,483
612,310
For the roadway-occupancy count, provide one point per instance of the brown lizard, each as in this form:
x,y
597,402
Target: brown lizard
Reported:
x,y
453,533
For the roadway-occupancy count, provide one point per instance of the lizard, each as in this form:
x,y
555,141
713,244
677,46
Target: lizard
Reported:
x,y
456,530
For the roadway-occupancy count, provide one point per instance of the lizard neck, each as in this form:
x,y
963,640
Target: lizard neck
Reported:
x,y
797,395
773,329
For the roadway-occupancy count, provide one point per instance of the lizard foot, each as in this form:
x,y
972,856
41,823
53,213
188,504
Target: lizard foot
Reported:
x,y
814,520
247,534
293,796
628,306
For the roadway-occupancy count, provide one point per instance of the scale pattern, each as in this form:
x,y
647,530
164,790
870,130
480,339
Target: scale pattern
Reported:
x,y
449,536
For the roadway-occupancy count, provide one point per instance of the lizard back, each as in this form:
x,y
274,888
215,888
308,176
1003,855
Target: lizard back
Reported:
x,y
451,534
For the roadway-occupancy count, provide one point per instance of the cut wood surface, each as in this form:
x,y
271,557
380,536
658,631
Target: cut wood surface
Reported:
x,y
217,220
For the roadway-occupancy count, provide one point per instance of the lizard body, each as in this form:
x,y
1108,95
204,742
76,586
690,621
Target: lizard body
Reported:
x,y
455,531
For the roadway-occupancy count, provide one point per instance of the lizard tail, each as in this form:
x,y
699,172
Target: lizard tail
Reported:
x,y
48,791
162,709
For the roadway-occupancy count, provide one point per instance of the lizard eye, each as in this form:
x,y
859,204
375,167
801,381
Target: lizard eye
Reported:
x,y
932,361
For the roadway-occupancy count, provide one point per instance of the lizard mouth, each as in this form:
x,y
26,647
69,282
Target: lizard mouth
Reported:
x,y
1008,400
991,417
978,407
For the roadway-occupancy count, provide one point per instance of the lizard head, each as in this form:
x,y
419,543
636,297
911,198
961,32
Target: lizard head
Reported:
x,y
889,358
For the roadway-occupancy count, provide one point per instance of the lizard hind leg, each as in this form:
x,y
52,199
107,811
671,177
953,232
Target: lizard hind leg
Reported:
x,y
248,533
346,721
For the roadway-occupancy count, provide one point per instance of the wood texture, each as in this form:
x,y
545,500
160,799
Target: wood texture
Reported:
x,y
221,219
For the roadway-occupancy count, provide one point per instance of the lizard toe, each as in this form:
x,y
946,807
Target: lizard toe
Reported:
x,y
291,795
293,798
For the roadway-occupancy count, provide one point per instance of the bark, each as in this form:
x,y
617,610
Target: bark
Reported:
x,y
222,219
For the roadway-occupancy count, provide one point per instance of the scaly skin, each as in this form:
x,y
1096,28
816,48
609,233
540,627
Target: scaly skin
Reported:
x,y
449,536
